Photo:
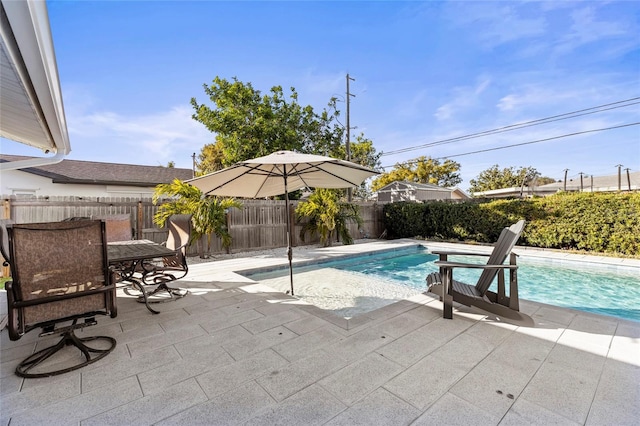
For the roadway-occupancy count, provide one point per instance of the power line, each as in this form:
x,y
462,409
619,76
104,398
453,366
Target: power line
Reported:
x,y
528,143
517,126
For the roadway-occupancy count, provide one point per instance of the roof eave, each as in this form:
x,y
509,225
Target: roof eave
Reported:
x,y
34,113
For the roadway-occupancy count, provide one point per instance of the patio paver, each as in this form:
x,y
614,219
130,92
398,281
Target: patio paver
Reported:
x,y
234,352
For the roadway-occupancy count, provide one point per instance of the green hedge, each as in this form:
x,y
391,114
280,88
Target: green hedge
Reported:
x,y
598,222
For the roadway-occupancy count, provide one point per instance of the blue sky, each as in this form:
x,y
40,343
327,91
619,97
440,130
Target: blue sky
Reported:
x,y
424,72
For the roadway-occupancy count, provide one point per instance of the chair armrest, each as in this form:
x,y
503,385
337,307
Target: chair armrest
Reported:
x,y
459,253
472,265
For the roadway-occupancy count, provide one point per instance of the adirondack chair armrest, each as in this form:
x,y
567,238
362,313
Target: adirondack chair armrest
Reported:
x,y
458,253
445,265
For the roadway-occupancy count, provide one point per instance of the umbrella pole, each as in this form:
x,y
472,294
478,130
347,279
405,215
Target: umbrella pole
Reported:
x,y
289,249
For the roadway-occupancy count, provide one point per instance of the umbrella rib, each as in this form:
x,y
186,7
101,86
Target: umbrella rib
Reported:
x,y
267,175
314,167
250,169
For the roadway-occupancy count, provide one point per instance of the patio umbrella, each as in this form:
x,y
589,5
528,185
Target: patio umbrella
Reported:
x,y
280,173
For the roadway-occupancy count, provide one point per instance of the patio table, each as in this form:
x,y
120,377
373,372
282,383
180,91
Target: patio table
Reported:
x,y
128,259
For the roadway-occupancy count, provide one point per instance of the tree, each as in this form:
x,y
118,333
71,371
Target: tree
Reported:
x,y
363,153
327,215
249,124
496,178
422,170
542,180
208,212
211,158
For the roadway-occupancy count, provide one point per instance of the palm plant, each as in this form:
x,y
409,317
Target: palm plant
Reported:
x,y
326,214
208,213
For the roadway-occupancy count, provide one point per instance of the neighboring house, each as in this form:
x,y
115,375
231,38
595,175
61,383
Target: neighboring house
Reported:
x,y
86,179
610,183
411,191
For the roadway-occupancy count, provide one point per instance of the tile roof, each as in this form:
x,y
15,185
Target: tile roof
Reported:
x,y
90,172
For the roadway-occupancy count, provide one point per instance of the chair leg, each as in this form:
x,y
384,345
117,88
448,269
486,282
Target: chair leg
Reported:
x,y
447,298
68,339
173,292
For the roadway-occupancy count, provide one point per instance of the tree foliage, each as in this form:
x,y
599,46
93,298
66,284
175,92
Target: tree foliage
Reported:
x,y
496,178
250,124
362,152
211,158
422,170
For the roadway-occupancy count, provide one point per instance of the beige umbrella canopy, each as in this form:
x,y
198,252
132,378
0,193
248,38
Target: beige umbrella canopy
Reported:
x,y
280,173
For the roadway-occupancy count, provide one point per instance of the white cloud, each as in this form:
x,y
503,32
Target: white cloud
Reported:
x,y
145,139
498,23
586,29
463,98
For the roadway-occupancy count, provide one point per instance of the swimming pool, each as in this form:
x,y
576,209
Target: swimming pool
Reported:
x,y
600,289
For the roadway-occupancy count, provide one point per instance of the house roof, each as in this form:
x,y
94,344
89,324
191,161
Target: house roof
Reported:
x,y
406,185
413,185
89,172
600,184
31,103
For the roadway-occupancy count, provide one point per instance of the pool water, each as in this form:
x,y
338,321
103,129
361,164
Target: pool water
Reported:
x,y
600,289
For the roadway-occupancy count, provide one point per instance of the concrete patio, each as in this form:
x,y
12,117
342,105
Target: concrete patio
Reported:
x,y
236,352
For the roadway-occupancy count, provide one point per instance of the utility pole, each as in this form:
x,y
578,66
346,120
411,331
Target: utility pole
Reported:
x,y
591,183
628,179
565,179
619,166
193,164
348,142
581,186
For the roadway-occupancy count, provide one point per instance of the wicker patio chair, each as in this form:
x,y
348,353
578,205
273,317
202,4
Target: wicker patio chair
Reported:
x,y
60,283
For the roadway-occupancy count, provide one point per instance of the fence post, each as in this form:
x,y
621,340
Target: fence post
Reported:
x,y
139,221
375,220
227,221
6,209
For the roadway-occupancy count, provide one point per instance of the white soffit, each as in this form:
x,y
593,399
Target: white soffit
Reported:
x,y
31,108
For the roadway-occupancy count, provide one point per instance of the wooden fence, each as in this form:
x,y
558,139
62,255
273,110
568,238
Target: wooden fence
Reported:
x,y
260,224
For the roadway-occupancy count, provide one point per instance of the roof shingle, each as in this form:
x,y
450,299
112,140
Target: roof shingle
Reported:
x,y
90,172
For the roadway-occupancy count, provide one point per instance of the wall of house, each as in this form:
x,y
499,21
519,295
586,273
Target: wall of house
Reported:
x,y
423,195
394,196
20,184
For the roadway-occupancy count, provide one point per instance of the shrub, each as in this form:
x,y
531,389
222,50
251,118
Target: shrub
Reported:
x,y
599,222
